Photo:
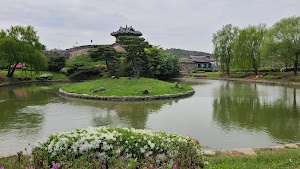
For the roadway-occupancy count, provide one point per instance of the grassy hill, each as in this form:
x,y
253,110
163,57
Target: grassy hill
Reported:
x,y
185,53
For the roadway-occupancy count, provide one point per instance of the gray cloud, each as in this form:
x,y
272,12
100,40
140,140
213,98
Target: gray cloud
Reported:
x,y
187,24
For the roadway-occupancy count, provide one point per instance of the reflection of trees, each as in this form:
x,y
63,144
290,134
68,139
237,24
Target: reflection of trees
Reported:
x,y
14,110
135,114
240,105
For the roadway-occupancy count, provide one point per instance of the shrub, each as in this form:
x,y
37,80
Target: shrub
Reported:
x,y
237,75
44,77
268,69
83,74
56,63
202,69
118,148
270,77
295,79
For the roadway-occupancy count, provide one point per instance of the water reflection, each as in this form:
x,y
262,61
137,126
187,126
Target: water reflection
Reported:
x,y
257,107
15,111
123,114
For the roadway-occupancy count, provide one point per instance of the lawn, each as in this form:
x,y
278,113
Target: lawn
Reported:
x,y
126,87
265,159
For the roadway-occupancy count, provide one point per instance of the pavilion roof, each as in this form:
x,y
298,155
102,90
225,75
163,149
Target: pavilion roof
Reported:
x,y
127,31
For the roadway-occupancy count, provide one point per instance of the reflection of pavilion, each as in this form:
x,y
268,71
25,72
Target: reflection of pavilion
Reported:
x,y
241,105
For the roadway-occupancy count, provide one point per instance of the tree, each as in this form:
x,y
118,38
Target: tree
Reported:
x,y
283,41
162,64
223,41
56,63
247,47
21,45
135,55
108,54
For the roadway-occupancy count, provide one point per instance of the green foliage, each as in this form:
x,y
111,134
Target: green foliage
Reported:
x,y
271,77
21,45
247,47
56,63
126,87
83,68
185,53
238,75
223,43
19,74
107,54
84,74
135,55
268,69
295,79
202,69
82,61
283,42
161,64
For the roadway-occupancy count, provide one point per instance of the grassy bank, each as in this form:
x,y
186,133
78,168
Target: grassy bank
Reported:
x,y
266,76
277,159
126,87
19,74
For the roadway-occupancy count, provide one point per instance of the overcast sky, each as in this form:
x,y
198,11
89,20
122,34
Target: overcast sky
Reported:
x,y
185,24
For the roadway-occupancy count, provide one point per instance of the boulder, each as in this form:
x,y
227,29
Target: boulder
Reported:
x,y
293,146
102,89
245,151
145,91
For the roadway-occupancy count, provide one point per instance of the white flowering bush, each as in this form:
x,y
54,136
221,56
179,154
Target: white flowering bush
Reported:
x,y
118,147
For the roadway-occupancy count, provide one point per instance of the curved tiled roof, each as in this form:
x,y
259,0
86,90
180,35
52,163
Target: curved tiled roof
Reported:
x,y
127,31
201,59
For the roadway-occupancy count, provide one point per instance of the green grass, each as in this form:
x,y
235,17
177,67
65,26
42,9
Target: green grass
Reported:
x,y
20,74
277,159
126,87
85,60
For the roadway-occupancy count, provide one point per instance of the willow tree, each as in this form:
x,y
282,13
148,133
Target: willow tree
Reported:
x,y
135,54
247,47
21,45
283,41
223,41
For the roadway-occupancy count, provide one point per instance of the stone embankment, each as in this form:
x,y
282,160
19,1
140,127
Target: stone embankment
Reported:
x,y
250,151
126,98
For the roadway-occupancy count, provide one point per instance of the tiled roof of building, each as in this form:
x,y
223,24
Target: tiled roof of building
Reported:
x,y
201,59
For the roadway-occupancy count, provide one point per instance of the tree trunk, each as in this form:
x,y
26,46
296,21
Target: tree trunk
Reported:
x,y
135,70
10,72
296,65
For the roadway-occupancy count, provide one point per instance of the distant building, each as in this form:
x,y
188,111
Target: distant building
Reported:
x,y
194,62
127,31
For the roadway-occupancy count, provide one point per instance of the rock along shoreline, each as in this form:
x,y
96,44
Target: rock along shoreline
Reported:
x,y
126,98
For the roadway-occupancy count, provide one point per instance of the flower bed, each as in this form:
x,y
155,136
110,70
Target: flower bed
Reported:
x,y
105,147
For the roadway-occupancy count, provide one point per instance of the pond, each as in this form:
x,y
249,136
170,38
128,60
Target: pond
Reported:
x,y
221,114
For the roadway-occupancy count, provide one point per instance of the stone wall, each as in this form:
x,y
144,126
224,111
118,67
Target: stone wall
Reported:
x,y
80,50
57,53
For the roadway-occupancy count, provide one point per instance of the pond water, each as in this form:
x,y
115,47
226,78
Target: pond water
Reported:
x,y
221,114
